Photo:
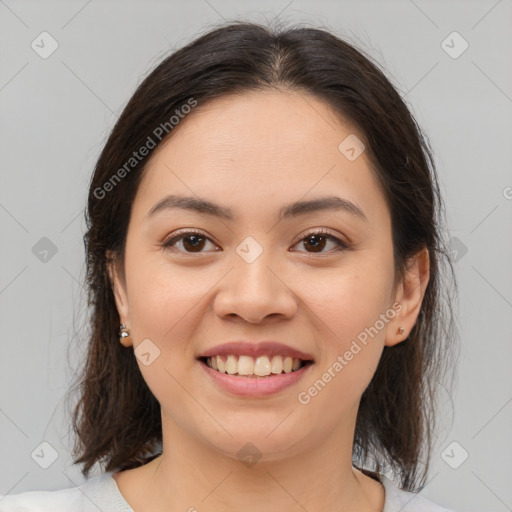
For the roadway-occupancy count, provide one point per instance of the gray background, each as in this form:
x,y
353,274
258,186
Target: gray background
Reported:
x,y
56,114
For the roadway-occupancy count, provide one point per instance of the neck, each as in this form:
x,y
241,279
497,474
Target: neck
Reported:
x,y
194,476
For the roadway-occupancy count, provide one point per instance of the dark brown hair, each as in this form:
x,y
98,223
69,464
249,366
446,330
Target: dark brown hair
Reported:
x,y
117,418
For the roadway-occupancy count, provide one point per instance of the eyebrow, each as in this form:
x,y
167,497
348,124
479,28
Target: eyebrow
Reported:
x,y
203,206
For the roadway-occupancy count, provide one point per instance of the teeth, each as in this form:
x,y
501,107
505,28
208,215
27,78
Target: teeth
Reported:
x,y
231,365
287,364
262,366
247,365
277,364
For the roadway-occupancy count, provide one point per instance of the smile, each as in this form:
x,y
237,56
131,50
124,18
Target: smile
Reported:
x,y
251,385
247,366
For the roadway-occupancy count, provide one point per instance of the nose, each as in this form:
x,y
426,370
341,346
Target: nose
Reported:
x,y
255,291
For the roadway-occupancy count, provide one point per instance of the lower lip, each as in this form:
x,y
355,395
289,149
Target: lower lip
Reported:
x,y
250,386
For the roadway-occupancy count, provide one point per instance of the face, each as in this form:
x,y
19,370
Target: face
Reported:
x,y
318,280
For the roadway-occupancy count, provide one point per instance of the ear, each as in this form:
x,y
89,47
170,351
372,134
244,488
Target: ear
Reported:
x,y
409,294
118,284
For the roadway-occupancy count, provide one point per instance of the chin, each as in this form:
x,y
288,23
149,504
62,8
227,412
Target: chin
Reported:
x,y
260,442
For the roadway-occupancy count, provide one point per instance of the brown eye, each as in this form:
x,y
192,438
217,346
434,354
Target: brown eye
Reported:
x,y
317,241
195,241
192,242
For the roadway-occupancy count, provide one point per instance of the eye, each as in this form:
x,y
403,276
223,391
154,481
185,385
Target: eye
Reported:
x,y
317,241
195,241
192,241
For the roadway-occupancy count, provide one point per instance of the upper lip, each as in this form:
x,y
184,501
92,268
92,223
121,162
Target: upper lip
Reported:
x,y
262,348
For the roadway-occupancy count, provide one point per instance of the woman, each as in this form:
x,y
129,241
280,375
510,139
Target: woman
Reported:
x,y
264,255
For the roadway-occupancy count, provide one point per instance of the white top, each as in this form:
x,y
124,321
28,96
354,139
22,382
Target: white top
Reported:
x,y
101,493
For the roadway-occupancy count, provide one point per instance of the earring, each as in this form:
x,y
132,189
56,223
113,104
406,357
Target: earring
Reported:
x,y
401,330
123,333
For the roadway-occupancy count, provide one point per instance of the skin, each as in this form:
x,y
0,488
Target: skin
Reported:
x,y
255,153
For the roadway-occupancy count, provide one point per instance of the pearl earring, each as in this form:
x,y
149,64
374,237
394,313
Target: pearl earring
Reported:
x,y
123,333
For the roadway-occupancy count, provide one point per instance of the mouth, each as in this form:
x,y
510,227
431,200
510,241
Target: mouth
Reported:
x,y
260,367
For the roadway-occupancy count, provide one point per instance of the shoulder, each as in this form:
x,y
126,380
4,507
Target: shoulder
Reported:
x,y
38,501
397,499
99,492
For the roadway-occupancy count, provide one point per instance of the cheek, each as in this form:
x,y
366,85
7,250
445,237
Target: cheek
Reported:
x,y
352,309
164,296
165,308
349,300
350,348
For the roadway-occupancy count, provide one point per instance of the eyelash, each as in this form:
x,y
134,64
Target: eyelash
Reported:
x,y
340,245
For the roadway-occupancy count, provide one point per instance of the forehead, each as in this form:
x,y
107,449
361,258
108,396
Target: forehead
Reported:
x,y
286,125
251,148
